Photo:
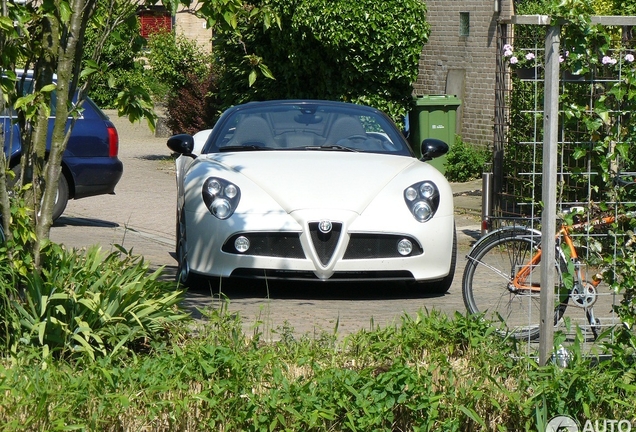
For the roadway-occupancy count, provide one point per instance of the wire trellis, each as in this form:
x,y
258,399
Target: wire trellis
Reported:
x,y
518,156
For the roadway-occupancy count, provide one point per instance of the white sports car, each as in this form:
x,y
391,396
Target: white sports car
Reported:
x,y
311,190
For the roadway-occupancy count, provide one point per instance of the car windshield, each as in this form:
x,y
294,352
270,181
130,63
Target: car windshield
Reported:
x,y
311,126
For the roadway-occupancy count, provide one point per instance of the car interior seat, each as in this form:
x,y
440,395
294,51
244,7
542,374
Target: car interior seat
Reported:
x,y
253,130
345,127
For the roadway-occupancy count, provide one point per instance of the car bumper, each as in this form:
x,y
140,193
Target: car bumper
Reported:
x,y
291,250
94,176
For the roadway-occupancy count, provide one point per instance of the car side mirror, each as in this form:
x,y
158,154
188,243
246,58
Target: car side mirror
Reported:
x,y
182,144
433,148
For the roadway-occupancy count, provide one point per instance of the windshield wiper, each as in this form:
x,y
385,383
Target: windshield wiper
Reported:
x,y
243,148
335,147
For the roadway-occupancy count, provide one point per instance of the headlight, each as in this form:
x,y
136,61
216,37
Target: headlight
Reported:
x,y
410,194
220,197
422,200
427,189
214,186
221,208
422,211
231,191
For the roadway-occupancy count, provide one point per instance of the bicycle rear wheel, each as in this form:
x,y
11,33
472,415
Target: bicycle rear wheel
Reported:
x,y
488,287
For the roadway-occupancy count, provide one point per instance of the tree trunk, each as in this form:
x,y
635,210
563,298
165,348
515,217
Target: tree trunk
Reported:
x,y
66,64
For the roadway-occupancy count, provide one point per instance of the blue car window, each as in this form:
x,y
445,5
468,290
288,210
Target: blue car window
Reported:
x,y
26,87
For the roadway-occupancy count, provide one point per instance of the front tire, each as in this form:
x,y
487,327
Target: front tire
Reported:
x,y
61,196
184,276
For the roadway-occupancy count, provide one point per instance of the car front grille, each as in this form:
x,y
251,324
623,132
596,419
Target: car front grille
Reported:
x,y
287,245
325,243
370,246
271,244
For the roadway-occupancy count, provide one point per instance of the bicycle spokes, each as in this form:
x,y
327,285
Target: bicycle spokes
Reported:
x,y
490,288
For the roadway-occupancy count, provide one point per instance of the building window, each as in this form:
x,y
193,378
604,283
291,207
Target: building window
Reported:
x,y
464,24
156,20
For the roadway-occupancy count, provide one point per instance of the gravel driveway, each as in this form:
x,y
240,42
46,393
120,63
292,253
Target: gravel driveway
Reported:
x,y
141,217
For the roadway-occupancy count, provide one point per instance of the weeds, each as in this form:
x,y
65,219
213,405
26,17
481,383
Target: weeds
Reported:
x,y
93,343
430,373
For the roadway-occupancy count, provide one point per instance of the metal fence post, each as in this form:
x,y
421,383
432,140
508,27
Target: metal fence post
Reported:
x,y
486,199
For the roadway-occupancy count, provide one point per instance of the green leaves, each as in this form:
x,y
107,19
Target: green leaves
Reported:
x,y
429,373
252,77
135,102
231,19
91,68
258,66
91,304
357,51
6,23
265,71
173,57
64,10
465,162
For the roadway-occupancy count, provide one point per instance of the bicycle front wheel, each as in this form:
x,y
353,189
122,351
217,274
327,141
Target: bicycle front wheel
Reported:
x,y
489,288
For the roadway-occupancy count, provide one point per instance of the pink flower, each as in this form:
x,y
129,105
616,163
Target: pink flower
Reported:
x,y
607,60
507,49
629,58
514,60
530,56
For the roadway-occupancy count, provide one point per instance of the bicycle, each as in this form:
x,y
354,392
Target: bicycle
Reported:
x,y
513,255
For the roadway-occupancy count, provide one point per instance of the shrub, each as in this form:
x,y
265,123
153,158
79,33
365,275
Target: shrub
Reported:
x,y
173,59
119,55
8,293
85,304
357,51
105,87
195,106
430,373
464,162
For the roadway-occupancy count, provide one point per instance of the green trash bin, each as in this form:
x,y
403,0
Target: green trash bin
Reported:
x,y
433,116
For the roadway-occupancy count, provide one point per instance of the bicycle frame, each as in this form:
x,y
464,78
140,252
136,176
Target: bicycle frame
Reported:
x,y
519,280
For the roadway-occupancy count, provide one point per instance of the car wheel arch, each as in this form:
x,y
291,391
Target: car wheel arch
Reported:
x,y
70,181
66,187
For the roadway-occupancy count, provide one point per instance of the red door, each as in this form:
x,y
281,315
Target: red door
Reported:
x,y
154,22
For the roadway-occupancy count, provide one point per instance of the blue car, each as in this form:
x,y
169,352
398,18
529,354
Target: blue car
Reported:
x,y
90,165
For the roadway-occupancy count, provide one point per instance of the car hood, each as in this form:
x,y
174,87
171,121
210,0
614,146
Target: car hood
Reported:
x,y
300,180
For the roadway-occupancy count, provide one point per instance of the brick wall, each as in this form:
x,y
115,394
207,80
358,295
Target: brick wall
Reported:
x,y
193,28
449,55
